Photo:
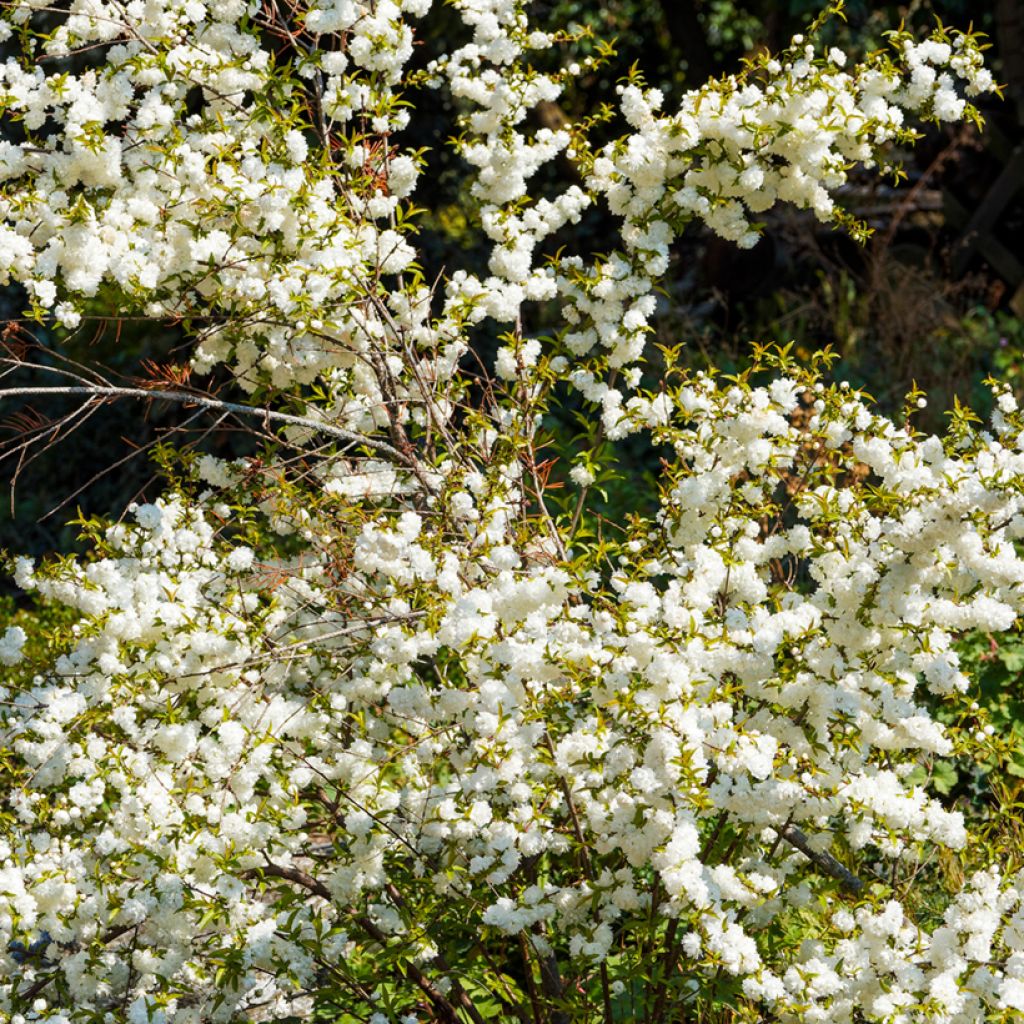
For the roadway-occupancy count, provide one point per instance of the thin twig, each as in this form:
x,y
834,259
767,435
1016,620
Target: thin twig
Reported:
x,y
185,398
588,867
313,885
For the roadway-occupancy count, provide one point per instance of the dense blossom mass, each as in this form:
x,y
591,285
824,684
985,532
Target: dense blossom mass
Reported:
x,y
339,727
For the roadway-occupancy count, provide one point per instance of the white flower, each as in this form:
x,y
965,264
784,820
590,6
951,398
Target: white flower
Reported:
x,y
582,476
11,644
240,559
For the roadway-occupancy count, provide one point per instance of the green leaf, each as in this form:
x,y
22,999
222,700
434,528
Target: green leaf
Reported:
x,y
944,777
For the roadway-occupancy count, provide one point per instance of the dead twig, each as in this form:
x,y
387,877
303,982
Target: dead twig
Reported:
x,y
186,398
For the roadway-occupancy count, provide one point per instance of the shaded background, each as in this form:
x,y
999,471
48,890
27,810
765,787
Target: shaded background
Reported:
x,y
935,297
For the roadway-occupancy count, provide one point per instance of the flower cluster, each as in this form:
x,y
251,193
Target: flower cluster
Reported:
x,y
222,733
192,174
788,130
333,734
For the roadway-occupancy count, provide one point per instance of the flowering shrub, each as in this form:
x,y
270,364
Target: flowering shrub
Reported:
x,y
373,727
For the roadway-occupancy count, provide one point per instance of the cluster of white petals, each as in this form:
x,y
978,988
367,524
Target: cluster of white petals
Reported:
x,y
388,714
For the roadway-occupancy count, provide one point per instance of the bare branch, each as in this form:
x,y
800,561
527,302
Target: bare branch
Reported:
x,y
186,398
313,885
825,861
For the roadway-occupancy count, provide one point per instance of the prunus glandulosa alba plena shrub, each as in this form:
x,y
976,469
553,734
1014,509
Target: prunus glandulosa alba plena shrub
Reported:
x,y
378,725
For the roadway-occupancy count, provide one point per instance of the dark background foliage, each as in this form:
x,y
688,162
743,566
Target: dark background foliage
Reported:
x,y
935,297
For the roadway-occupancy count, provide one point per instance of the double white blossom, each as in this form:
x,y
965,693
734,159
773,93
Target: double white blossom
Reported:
x,y
384,701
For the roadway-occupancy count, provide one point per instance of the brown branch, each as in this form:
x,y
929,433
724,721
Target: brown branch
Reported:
x,y
589,869
186,398
441,961
293,874
825,861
